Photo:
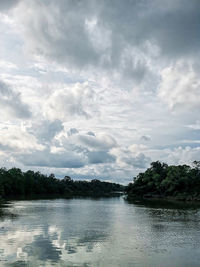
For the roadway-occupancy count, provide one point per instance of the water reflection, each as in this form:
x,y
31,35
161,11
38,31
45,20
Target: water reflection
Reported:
x,y
164,204
46,232
105,232
170,211
173,229
5,212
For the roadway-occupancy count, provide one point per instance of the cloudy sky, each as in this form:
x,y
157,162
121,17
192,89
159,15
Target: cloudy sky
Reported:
x,y
99,88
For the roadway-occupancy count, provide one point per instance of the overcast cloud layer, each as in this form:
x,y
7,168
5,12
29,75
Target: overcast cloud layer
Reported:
x,y
99,89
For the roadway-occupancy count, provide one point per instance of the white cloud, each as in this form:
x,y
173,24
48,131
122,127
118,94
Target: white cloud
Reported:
x,y
72,131
45,130
180,86
99,88
11,103
69,102
99,141
182,155
133,156
195,126
111,36
16,138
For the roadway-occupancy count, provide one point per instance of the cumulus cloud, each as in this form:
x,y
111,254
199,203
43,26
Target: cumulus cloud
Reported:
x,y
95,148
45,130
11,104
132,156
19,139
101,141
66,159
96,157
71,156
183,155
139,161
104,80
91,133
72,131
69,102
180,85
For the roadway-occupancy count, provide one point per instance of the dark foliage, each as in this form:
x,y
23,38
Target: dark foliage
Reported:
x,y
161,180
14,182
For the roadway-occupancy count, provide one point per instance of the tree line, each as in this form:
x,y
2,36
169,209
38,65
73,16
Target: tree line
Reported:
x,y
14,182
161,180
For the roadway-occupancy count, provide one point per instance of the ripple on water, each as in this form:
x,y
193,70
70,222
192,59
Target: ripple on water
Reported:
x,y
105,232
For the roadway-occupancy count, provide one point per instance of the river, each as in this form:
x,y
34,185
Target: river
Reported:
x,y
99,232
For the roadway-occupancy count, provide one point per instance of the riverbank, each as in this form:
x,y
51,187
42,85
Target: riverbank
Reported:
x,y
15,183
160,181
179,198
58,196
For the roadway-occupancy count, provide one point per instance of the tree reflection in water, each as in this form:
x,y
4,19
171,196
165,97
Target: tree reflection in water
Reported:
x,y
49,232
105,232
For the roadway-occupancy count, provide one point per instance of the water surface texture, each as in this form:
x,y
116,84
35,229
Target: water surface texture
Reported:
x,y
102,232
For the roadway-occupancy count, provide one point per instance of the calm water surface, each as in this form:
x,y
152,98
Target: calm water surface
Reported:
x,y
103,232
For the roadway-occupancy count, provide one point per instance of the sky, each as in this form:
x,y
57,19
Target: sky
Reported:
x,y
99,88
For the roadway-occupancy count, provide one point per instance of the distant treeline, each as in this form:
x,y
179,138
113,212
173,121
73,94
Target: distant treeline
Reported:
x,y
14,182
160,180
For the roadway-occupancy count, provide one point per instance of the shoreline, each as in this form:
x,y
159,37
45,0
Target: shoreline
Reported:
x,y
182,199
56,196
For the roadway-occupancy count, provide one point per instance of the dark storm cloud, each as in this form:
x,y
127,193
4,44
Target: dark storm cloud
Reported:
x,y
113,34
173,27
11,103
7,4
